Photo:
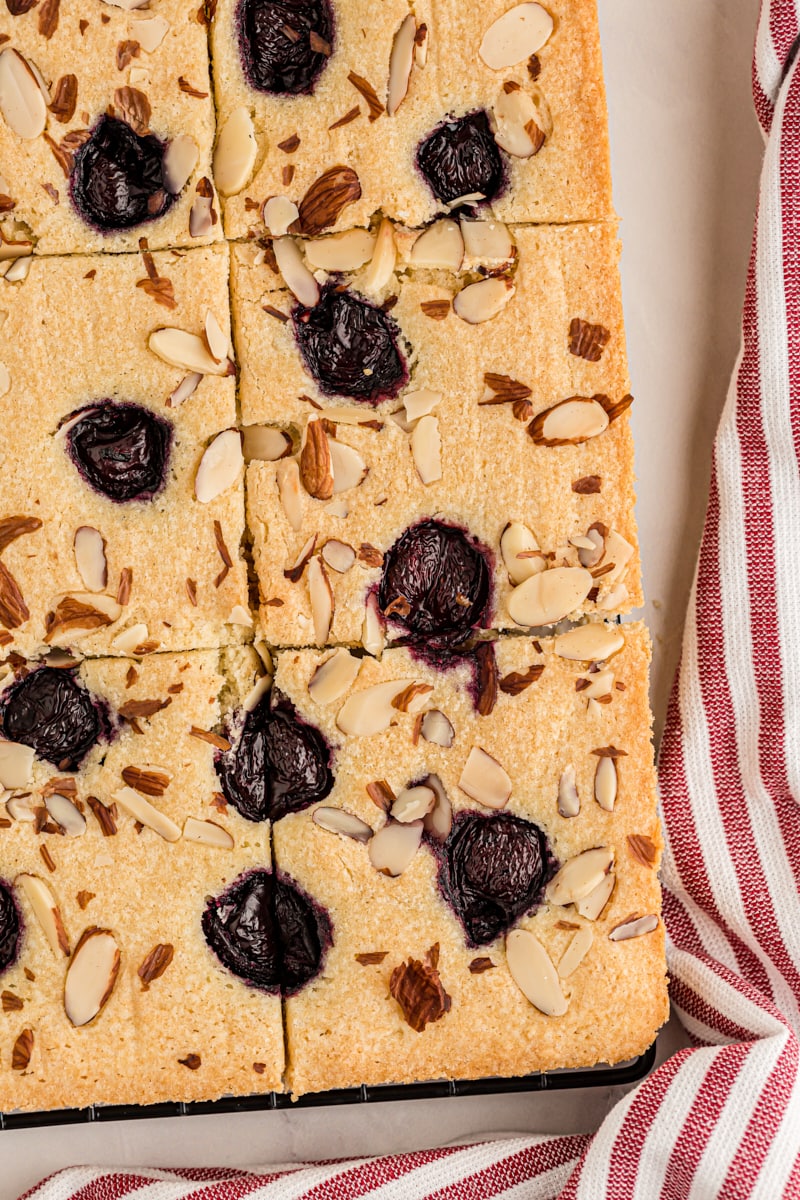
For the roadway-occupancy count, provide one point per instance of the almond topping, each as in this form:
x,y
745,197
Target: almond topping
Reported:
x,y
381,795
484,780
261,443
339,556
296,274
420,403
439,246
295,572
327,198
437,310
569,422
593,642
534,974
65,814
576,951
235,152
520,551
90,558
180,159
372,636
134,107
521,123
642,848
105,817
479,302
591,906
488,240
417,988
549,596
143,811
579,876
365,89
280,215
384,256
439,821
21,100
22,1050
76,616
371,710
155,964
10,1002
371,958
148,782
605,784
401,61
393,847
46,911
202,216
150,32
437,729
287,477
426,449
634,926
220,466
586,340
569,802
187,351
322,602
91,975
333,678
16,765
413,803
207,833
348,467
316,471
341,251
412,698
514,36
337,820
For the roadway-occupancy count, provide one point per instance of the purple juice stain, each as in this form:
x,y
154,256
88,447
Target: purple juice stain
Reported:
x,y
443,575
51,712
460,157
10,927
350,347
492,871
280,763
121,450
117,179
268,932
276,47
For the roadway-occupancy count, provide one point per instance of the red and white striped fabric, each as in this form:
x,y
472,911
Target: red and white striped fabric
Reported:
x,y
722,1118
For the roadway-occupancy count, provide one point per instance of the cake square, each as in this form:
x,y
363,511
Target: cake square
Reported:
x,y
563,175
166,570
177,1025
544,734
134,76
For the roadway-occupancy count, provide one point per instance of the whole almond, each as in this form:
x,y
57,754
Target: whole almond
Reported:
x,y
327,197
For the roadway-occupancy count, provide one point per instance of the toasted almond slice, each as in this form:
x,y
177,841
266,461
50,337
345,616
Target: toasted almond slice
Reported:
x,y
257,692
262,443
240,616
217,341
235,152
333,678
19,808
370,710
78,614
295,571
436,728
338,507
349,468
439,246
634,927
150,33
10,250
593,642
401,61
339,556
421,47
280,213
615,599
127,641
146,814
90,557
187,351
413,698
180,159
65,814
21,100
520,552
439,821
518,123
341,251
384,256
601,683
392,848
592,905
46,911
591,548
373,637
617,551
569,802
16,764
413,803
420,403
5,379
485,780
576,951
290,491
207,833
514,36
605,783
489,241
186,388
426,449
337,820
201,217
579,876
220,466
322,603
91,975
534,974
296,274
548,597
479,302
569,422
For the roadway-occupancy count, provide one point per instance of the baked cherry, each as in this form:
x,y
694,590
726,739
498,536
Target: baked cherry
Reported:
x,y
280,763
350,347
492,869
461,158
10,927
435,583
278,51
121,450
117,179
50,711
268,932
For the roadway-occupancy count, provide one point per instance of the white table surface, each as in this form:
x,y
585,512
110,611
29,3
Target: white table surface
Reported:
x,y
686,154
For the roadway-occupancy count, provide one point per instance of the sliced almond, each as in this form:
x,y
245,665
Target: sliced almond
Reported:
x,y
217,340
201,216
19,808
479,302
91,975
186,388
65,814
421,403
21,100
316,473
521,553
339,556
440,246
579,876
401,60
150,33
426,449
262,443
484,780
392,848
333,678
371,710
46,911
16,765
341,251
576,951
591,548
349,468
413,803
295,572
605,783
413,698
593,642
280,214
207,833
290,491
187,351
296,274
321,596
514,36
517,124
235,152
615,599
601,683
569,802
127,641
337,820
373,638
90,558
220,466
146,814
421,47
382,263
436,728
79,614
489,241
549,596
439,821
569,422
634,927
592,905
534,974
180,159
619,552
